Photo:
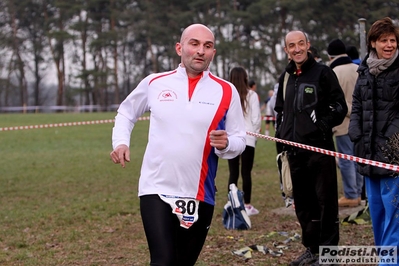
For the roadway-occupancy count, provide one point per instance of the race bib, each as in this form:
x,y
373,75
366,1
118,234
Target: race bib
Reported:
x,y
186,209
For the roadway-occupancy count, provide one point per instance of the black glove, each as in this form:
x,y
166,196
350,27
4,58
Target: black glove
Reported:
x,y
320,123
323,126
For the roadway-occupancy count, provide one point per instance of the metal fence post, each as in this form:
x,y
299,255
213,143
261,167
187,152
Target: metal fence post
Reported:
x,y
362,31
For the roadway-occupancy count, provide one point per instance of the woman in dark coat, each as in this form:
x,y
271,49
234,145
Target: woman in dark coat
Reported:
x,y
374,120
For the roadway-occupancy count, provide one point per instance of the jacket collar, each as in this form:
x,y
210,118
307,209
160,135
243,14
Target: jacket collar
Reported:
x,y
340,60
291,67
182,70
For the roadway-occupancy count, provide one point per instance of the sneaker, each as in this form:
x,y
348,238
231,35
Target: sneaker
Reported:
x,y
251,210
345,202
306,258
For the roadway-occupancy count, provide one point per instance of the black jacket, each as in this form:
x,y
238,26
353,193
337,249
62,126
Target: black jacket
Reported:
x,y
313,104
375,116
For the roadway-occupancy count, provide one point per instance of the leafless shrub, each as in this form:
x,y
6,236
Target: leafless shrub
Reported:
x,y
391,149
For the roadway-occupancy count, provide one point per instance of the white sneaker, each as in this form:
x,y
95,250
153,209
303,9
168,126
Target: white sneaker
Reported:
x,y
251,210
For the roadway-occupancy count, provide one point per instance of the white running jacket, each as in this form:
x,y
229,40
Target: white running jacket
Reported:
x,y
179,160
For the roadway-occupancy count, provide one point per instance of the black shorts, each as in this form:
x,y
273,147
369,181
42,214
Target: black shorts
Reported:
x,y
269,119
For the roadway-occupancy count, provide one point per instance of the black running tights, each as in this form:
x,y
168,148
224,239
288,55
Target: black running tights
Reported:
x,y
168,242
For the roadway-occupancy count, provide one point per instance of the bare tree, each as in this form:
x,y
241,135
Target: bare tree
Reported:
x,y
57,14
17,65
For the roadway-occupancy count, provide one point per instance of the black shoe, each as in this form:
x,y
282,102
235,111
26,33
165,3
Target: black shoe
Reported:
x,y
316,263
305,259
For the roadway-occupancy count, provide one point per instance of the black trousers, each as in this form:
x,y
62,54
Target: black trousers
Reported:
x,y
247,162
168,242
314,180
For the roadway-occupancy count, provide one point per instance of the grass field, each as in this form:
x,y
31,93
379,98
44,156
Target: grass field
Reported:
x,y
63,202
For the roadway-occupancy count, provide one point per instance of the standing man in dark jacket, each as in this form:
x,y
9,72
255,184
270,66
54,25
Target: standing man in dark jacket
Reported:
x,y
308,108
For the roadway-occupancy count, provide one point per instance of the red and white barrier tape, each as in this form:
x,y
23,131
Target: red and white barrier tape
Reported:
x,y
295,144
268,118
331,153
68,124
56,125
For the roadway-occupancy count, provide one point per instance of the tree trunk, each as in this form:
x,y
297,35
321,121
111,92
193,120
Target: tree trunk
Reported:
x,y
115,51
85,76
19,64
57,53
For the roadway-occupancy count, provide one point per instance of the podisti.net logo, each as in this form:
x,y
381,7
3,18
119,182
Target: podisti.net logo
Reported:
x,y
358,255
